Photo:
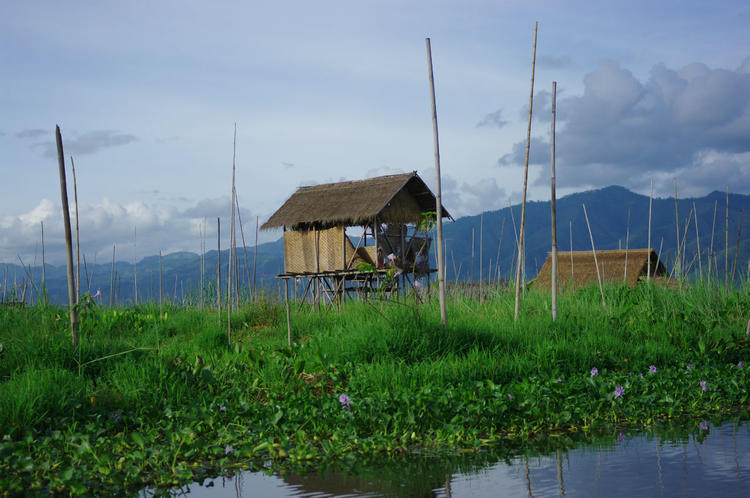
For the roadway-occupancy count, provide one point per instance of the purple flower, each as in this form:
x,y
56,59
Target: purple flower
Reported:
x,y
559,379
704,426
510,396
619,391
116,416
391,257
652,369
222,408
620,437
594,372
690,366
740,364
344,400
228,449
704,386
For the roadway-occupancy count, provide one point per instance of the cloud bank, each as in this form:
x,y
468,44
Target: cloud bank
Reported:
x,y
692,124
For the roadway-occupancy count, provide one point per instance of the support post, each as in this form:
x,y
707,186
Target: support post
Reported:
x,y
553,205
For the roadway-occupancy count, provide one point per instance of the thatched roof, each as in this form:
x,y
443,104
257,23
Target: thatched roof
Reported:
x,y
611,266
393,199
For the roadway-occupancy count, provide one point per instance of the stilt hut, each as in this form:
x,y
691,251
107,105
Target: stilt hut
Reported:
x,y
384,214
629,266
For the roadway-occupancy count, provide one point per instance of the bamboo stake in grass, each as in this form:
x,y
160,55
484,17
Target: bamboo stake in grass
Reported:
x,y
288,317
255,253
44,269
68,240
711,247
525,182
135,265
676,267
78,248
650,202
726,246
481,254
438,192
218,266
627,246
112,279
737,247
698,243
572,275
596,263
231,244
160,274
553,204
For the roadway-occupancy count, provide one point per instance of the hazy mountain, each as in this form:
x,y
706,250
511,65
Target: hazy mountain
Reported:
x,y
607,210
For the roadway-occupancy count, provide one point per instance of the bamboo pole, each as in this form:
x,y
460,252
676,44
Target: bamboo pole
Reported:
x,y
231,243
481,254
135,266
244,245
572,275
596,263
711,247
288,317
650,202
68,239
627,246
218,266
160,274
499,244
112,279
255,253
438,192
698,243
525,182
737,247
676,268
44,269
472,255
726,245
553,204
78,248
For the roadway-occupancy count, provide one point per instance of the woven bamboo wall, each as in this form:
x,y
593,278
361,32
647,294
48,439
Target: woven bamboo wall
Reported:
x,y
300,249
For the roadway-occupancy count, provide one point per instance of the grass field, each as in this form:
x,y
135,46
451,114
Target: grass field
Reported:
x,y
157,397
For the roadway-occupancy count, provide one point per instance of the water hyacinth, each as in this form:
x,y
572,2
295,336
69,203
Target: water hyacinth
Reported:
x,y
559,379
620,437
704,386
344,400
594,372
619,391
222,408
740,364
703,426
652,369
228,449
116,416
689,366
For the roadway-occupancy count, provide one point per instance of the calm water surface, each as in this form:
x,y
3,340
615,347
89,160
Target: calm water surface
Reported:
x,y
674,461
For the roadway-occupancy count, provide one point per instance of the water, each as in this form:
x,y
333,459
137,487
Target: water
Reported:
x,y
672,461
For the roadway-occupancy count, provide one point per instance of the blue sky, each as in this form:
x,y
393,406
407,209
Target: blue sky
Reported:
x,y
147,94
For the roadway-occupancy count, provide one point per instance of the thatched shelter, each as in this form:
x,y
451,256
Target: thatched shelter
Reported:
x,y
581,270
387,211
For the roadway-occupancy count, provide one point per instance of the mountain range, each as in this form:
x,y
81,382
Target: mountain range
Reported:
x,y
473,245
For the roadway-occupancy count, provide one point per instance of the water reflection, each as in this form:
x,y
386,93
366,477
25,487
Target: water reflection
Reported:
x,y
668,461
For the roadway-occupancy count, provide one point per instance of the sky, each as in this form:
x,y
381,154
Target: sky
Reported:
x,y
147,95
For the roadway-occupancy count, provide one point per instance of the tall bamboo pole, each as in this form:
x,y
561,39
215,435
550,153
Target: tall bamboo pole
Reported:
x,y
525,182
553,203
438,192
244,245
737,247
572,275
676,266
596,262
78,248
112,279
650,202
135,265
481,253
160,294
627,246
68,239
231,244
711,247
726,245
218,266
44,268
255,253
698,243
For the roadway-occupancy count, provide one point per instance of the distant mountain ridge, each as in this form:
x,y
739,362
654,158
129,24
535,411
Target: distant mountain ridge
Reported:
x,y
608,214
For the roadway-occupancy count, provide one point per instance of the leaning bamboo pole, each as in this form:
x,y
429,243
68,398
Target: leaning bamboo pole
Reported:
x,y
676,267
553,204
525,182
68,240
255,253
78,247
698,243
596,263
438,192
